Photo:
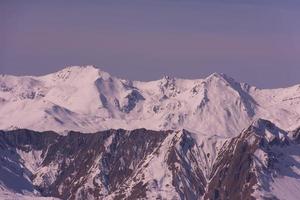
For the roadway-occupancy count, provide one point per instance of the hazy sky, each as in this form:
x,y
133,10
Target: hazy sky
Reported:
x,y
255,41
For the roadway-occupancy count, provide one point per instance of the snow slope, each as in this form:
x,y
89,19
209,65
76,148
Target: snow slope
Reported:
x,y
87,99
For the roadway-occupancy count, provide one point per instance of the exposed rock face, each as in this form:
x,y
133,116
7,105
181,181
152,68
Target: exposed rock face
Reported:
x,y
99,165
144,164
247,164
232,177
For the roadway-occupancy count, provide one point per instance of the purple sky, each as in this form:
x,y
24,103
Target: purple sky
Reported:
x,y
257,41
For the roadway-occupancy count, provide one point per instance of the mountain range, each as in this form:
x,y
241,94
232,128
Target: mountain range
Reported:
x,y
81,133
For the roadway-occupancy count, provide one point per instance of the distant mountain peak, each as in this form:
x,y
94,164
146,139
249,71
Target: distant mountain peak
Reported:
x,y
217,75
221,77
90,72
80,69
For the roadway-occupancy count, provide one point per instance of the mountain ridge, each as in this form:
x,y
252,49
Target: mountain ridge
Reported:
x,y
124,164
88,99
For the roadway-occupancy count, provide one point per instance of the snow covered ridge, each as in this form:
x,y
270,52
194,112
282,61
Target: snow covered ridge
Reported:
x,y
262,162
87,99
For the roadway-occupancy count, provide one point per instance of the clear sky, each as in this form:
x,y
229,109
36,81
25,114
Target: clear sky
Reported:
x,y
255,41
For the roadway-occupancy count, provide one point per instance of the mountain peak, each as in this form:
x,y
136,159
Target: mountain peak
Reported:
x,y
268,130
90,72
217,75
220,77
84,68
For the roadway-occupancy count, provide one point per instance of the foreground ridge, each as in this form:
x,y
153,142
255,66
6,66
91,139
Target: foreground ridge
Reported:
x,y
262,162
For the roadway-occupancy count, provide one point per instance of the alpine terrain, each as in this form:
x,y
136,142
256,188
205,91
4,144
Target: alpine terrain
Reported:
x,y
81,133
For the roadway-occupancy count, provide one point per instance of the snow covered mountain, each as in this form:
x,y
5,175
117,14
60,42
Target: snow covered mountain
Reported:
x,y
81,133
87,99
262,162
